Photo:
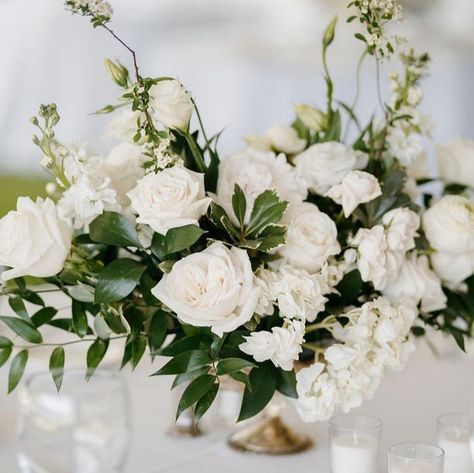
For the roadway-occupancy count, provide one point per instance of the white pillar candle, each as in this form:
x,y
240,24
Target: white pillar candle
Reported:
x,y
354,453
457,452
414,467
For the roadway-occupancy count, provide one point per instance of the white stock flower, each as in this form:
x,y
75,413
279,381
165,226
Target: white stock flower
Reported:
x,y
123,126
34,241
255,172
124,166
317,393
324,165
405,146
416,283
170,198
449,227
282,345
171,104
456,161
402,226
213,288
311,237
357,187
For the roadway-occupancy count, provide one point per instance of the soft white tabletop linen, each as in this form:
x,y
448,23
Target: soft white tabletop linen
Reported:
x,y
408,403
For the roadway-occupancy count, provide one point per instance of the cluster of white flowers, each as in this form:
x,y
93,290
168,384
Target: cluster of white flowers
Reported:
x,y
382,8
98,8
381,249
374,338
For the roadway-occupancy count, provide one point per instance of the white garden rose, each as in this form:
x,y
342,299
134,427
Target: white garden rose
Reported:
x,y
170,198
449,227
416,283
311,237
456,161
213,288
317,394
324,165
256,172
357,187
402,226
124,166
171,104
34,241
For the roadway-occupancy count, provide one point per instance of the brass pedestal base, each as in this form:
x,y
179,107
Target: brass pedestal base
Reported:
x,y
271,437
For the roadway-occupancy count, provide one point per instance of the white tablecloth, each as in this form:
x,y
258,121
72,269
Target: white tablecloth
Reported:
x,y
408,403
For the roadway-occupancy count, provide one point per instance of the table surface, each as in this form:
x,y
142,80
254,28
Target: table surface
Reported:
x,y
408,402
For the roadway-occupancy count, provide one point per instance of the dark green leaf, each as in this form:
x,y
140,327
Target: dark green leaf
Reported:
x,y
158,330
267,210
18,306
95,355
56,366
181,238
188,376
203,405
118,280
17,368
264,382
242,378
114,322
232,365
113,228
25,330
187,361
350,286
43,316
138,349
195,391
286,383
5,342
5,354
181,345
32,297
239,204
79,319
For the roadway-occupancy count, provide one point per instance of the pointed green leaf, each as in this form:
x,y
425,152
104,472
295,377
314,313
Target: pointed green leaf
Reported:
x,y
43,316
158,330
5,342
286,383
18,306
113,228
188,376
203,405
195,391
187,361
56,366
138,349
17,368
95,355
5,354
25,330
243,378
267,209
239,204
181,238
180,345
232,365
79,319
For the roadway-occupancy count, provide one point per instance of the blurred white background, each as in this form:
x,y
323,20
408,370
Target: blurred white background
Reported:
x,y
247,62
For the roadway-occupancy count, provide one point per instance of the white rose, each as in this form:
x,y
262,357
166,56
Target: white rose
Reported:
x,y
124,166
376,263
170,198
33,240
172,104
324,165
255,172
311,237
213,288
416,282
402,226
123,126
317,394
456,162
357,187
285,139
449,227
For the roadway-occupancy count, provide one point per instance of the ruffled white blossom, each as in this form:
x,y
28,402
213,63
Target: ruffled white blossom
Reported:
x,y
456,161
406,146
357,187
98,8
402,226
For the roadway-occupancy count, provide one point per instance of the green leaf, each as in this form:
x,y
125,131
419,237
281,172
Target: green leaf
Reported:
x,y
95,355
25,330
190,375
18,306
181,238
118,280
43,316
187,361
195,391
5,354
17,368
203,405
138,349
350,286
114,321
158,330
264,382
334,128
180,346
232,365
242,378
239,204
267,210
79,319
286,383
220,219
56,366
114,229
5,342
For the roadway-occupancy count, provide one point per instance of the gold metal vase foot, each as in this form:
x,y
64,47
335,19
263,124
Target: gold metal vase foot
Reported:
x,y
270,436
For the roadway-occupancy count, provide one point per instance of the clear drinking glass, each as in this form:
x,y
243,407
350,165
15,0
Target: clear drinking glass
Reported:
x,y
454,437
85,428
415,458
355,444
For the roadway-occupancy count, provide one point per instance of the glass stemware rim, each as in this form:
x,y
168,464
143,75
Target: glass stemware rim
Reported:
x,y
433,448
442,420
376,423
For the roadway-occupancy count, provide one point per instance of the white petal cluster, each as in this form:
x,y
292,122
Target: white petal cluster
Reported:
x,y
405,145
357,187
281,139
381,249
99,8
282,345
374,338
255,172
456,162
123,126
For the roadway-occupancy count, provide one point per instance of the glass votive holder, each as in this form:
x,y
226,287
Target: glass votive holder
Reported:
x,y
415,458
454,437
355,444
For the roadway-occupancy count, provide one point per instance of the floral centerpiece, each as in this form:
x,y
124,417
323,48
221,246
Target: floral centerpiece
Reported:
x,y
316,242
